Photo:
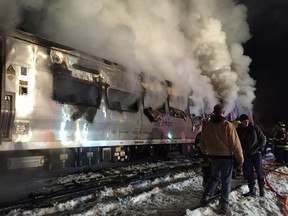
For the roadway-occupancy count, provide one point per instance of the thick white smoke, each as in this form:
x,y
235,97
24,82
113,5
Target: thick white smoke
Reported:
x,y
195,44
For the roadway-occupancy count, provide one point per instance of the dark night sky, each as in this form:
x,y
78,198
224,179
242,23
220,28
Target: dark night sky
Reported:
x,y
268,50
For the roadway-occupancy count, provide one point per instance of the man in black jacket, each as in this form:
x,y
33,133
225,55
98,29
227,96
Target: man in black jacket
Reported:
x,y
253,143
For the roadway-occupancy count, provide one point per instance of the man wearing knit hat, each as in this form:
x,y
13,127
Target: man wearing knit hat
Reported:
x,y
253,143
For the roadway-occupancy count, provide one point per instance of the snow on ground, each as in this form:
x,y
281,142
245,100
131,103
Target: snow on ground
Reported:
x,y
270,205
179,191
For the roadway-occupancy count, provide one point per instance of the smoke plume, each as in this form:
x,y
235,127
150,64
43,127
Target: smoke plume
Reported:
x,y
195,44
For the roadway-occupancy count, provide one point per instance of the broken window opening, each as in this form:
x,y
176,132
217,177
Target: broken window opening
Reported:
x,y
69,90
122,100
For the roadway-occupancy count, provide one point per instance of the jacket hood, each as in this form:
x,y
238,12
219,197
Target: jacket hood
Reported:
x,y
217,118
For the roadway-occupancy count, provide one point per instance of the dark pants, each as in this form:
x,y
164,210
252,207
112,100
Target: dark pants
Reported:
x,y
252,162
221,169
281,155
206,174
286,156
206,168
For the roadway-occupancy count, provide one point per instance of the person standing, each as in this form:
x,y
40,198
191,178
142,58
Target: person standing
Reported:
x,y
219,140
204,161
253,143
281,145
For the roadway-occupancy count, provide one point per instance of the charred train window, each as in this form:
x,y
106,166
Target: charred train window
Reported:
x,y
74,91
122,100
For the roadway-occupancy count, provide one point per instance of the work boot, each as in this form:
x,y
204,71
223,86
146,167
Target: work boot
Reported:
x,y
251,193
204,201
224,209
261,190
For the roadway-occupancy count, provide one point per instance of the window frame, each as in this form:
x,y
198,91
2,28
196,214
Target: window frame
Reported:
x,y
68,99
117,105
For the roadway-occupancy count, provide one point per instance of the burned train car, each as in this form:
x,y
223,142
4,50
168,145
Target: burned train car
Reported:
x,y
62,108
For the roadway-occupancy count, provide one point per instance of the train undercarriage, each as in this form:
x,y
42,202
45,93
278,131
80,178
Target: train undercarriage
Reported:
x,y
85,159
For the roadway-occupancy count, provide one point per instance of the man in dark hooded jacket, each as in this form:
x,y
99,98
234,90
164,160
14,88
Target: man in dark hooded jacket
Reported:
x,y
220,141
253,143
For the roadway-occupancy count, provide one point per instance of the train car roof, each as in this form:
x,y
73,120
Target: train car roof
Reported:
x,y
38,40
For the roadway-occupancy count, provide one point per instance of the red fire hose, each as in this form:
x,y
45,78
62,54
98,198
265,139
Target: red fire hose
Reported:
x,y
275,171
285,199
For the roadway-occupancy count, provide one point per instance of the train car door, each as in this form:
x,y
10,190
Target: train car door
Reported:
x,y
6,98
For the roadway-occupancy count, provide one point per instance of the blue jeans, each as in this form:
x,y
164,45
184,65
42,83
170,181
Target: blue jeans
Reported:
x,y
221,169
252,162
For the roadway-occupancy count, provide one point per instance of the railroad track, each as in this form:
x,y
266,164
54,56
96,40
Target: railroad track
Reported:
x,y
66,188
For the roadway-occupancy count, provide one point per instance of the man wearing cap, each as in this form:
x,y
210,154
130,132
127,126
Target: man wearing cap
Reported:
x,y
253,143
219,140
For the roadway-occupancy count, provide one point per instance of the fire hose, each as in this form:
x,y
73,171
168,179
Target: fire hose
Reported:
x,y
285,199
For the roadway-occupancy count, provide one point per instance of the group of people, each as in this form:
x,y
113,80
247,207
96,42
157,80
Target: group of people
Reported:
x,y
229,148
